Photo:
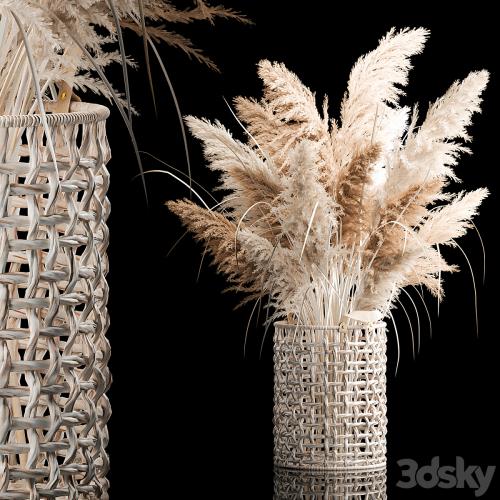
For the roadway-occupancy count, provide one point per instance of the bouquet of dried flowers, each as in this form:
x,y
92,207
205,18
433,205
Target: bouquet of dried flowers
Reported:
x,y
74,41
326,221
50,48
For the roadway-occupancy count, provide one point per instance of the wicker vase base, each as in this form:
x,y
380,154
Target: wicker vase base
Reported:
x,y
292,484
382,465
330,397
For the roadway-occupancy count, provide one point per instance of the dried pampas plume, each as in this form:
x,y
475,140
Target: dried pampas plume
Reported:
x,y
329,217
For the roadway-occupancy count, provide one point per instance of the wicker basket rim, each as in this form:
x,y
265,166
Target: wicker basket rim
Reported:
x,y
377,324
80,112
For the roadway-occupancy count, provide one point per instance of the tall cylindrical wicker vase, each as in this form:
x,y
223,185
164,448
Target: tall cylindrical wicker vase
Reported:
x,y
330,397
53,296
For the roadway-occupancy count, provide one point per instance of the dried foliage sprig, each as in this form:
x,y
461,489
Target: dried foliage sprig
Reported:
x,y
331,218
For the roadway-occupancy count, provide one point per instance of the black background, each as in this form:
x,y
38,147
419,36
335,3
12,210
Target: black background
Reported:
x,y
192,417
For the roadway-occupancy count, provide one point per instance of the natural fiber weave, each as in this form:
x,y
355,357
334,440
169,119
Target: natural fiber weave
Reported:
x,y
330,397
53,296
311,485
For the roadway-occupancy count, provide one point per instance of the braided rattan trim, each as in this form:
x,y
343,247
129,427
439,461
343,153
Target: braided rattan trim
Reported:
x,y
80,112
330,397
292,484
53,306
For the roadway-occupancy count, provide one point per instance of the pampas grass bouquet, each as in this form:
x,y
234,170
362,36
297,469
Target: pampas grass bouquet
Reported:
x,y
326,221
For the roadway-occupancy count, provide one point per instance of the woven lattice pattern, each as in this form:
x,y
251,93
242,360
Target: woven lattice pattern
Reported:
x,y
330,397
53,296
292,484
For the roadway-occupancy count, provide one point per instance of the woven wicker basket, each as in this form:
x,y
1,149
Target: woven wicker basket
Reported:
x,y
311,485
330,397
53,296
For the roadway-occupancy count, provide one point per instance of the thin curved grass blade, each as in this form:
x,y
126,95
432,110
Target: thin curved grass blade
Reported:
x,y
123,56
426,309
248,328
308,229
397,341
473,277
483,249
206,191
191,189
411,327
177,107
145,39
418,318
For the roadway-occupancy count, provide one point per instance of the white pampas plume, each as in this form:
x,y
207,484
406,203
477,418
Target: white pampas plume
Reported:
x,y
430,152
279,270
453,219
375,76
450,115
375,82
427,269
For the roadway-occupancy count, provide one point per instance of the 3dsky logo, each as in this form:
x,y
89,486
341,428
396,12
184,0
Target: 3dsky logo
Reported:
x,y
446,476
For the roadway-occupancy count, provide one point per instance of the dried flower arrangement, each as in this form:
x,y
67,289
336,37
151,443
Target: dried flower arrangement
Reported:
x,y
49,49
327,221
75,41
53,235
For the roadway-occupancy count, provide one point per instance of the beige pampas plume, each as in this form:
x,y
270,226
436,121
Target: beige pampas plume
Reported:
x,y
251,180
328,217
433,149
426,270
450,115
219,236
288,98
286,115
352,197
305,212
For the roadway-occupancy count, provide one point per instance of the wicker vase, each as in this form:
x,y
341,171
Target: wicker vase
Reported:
x,y
311,485
330,397
53,296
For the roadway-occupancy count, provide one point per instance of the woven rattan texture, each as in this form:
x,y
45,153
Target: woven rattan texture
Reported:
x,y
312,485
330,397
53,296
